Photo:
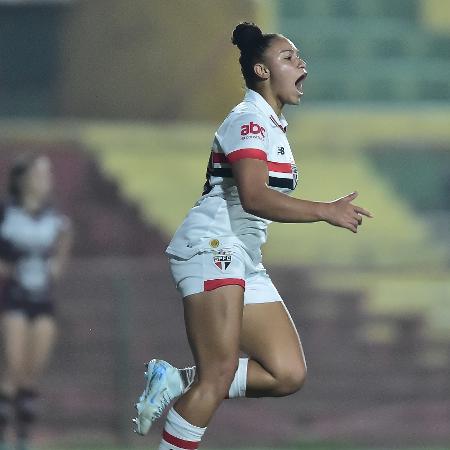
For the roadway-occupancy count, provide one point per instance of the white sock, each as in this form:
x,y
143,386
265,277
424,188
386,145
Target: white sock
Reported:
x,y
239,384
179,434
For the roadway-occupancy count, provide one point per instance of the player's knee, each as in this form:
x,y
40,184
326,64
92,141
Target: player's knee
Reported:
x,y
223,372
290,379
219,376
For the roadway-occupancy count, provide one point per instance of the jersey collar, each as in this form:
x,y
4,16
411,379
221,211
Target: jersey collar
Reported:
x,y
259,101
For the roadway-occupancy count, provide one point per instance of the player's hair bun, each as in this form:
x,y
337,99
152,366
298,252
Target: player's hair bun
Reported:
x,y
246,35
252,43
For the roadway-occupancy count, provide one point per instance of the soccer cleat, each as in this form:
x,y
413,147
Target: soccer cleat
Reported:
x,y
188,377
163,384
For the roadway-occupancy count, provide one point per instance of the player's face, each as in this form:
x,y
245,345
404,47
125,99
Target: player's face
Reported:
x,y
39,179
287,71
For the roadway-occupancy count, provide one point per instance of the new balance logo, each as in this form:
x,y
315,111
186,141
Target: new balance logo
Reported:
x,y
252,128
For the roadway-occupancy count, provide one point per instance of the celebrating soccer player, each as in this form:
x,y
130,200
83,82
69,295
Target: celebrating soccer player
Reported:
x,y
230,303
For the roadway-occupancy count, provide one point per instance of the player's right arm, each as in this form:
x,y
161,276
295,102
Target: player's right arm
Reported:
x,y
259,199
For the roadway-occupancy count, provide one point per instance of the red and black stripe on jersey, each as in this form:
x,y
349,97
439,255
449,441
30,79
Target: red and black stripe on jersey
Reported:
x,y
281,175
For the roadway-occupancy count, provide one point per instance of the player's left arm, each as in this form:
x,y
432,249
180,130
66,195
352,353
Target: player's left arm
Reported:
x,y
63,248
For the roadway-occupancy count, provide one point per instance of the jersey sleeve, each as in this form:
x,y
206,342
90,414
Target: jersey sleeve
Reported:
x,y
243,136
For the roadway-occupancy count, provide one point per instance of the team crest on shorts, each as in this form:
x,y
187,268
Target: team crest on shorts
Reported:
x,y
222,260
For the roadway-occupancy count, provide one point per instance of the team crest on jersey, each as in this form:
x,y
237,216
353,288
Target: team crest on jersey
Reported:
x,y
222,260
214,243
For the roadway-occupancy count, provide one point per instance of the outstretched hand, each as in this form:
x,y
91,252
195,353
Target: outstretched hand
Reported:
x,y
342,213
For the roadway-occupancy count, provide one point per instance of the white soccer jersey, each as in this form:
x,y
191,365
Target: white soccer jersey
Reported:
x,y
29,242
251,130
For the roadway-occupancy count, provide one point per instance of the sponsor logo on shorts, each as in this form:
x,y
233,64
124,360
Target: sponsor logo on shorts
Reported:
x,y
222,260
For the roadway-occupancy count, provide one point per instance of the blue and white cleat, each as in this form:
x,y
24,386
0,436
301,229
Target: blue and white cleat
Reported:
x,y
163,384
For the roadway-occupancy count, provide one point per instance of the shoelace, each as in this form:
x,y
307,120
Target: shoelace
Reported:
x,y
165,400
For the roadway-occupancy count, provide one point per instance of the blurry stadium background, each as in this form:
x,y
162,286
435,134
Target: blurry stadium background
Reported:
x,y
124,96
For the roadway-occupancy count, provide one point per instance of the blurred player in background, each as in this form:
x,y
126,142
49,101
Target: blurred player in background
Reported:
x,y
230,303
35,242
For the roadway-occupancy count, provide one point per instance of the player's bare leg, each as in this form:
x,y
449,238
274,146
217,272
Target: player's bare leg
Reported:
x,y
27,349
213,323
277,364
42,336
14,337
14,333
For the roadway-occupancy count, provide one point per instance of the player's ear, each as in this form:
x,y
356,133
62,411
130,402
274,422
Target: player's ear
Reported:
x,y
262,71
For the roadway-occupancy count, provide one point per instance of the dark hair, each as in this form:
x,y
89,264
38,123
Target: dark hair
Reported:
x,y
252,43
19,169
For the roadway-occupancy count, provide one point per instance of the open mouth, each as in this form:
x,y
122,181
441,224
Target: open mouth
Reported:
x,y
299,82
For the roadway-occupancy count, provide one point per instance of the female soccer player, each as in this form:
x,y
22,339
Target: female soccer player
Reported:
x,y
35,241
230,303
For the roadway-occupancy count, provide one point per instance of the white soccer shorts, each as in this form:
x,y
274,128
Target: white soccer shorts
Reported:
x,y
210,269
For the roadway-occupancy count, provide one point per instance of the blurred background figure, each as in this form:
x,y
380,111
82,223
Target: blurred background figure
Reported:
x,y
123,97
35,242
